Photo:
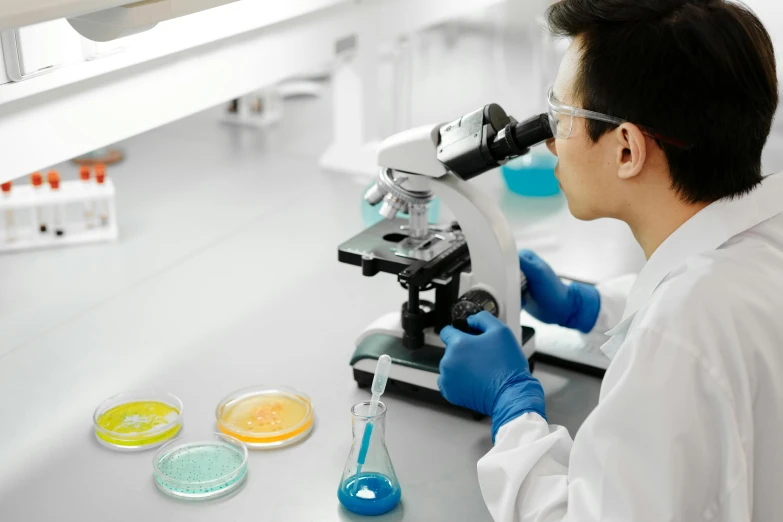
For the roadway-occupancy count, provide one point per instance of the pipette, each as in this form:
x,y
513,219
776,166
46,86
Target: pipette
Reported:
x,y
378,386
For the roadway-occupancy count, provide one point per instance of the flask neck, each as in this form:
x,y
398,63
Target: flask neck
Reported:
x,y
361,418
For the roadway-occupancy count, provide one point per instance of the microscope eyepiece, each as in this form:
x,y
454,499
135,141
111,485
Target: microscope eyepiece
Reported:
x,y
534,130
486,138
517,138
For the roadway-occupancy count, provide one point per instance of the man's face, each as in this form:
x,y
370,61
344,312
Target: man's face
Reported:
x,y
587,171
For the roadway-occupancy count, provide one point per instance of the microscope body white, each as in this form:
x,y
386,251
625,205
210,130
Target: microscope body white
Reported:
x,y
413,151
493,251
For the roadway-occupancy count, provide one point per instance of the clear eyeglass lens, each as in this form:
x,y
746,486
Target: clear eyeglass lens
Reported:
x,y
560,123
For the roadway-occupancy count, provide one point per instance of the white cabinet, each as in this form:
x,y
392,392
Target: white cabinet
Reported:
x,y
3,76
19,13
186,65
39,48
180,67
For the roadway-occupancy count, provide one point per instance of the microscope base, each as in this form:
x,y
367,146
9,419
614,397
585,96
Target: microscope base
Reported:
x,y
414,373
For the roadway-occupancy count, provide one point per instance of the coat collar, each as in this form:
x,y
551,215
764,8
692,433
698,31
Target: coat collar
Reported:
x,y
707,230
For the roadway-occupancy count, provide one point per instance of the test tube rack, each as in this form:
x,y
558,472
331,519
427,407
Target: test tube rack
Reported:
x,y
258,109
26,201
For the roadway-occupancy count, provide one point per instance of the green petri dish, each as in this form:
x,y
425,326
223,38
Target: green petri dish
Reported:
x,y
202,469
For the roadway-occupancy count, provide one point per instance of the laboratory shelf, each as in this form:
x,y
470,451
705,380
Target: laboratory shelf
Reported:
x,y
188,64
26,12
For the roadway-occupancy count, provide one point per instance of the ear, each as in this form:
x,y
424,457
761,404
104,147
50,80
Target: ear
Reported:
x,y
631,150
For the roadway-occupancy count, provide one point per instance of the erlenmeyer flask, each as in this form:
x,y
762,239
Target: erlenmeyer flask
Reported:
x,y
371,487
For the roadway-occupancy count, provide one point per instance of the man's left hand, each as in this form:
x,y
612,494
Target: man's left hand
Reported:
x,y
488,373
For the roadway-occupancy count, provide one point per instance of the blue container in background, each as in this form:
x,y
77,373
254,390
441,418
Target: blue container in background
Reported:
x,y
532,174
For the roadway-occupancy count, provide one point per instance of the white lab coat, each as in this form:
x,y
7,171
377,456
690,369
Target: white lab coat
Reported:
x,y
689,424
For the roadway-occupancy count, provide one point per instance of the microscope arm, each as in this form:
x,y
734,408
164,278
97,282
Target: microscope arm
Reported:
x,y
413,151
493,251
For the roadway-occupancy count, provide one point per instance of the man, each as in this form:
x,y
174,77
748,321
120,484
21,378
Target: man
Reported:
x,y
661,109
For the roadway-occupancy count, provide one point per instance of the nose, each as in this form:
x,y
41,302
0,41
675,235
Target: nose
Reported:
x,y
551,144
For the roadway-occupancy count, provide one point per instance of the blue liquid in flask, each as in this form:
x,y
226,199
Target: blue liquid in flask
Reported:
x,y
373,494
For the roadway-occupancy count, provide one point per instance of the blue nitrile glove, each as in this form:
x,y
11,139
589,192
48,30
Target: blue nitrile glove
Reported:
x,y
551,301
488,373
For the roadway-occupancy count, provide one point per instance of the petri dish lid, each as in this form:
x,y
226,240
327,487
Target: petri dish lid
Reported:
x,y
200,469
266,416
138,420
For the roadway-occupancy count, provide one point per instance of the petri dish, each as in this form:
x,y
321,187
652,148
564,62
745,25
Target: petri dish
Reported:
x,y
138,420
266,416
200,469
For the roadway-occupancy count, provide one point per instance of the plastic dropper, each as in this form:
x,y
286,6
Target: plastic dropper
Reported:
x,y
378,386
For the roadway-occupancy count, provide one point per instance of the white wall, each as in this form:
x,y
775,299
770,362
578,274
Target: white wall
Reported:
x,y
771,14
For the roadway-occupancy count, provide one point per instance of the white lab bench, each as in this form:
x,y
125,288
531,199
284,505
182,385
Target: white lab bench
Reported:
x,y
226,275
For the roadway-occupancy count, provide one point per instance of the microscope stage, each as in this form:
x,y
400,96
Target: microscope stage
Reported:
x,y
386,247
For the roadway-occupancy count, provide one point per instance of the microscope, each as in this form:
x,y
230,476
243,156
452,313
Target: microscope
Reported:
x,y
471,264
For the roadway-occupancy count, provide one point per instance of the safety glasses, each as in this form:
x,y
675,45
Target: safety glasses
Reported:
x,y
561,119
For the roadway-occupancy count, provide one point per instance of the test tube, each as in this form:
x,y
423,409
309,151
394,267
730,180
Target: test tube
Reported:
x,y
10,233
53,177
36,180
103,204
84,175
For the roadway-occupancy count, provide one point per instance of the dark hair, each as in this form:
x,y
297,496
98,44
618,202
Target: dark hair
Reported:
x,y
698,71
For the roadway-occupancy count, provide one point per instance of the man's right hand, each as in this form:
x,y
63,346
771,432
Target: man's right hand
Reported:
x,y
551,301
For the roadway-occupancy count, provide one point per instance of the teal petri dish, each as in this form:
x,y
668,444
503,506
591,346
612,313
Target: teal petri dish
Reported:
x,y
200,469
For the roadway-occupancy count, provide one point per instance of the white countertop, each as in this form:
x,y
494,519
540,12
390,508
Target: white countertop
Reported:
x,y
225,275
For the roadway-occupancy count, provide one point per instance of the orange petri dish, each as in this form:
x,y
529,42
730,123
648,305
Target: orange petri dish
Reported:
x,y
266,416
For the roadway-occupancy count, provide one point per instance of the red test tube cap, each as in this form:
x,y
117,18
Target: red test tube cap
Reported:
x,y
84,173
53,177
36,179
100,172
6,187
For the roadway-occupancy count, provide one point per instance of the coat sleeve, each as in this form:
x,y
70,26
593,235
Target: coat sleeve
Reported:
x,y
614,293
661,445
